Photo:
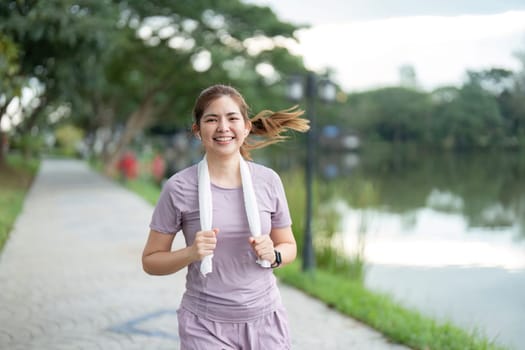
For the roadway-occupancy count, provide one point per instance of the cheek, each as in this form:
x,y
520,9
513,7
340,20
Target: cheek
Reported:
x,y
242,135
204,131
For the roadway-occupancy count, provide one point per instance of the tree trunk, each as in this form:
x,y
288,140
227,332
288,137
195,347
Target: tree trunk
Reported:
x,y
3,149
136,122
105,116
25,127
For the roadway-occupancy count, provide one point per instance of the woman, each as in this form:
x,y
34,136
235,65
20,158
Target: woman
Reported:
x,y
236,223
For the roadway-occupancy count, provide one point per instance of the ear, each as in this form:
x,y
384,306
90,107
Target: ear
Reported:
x,y
195,130
248,128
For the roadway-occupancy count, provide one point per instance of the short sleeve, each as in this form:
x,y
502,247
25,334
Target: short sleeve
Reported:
x,y
281,216
166,216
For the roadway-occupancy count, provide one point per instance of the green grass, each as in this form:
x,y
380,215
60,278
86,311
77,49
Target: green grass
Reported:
x,y
147,190
397,323
16,176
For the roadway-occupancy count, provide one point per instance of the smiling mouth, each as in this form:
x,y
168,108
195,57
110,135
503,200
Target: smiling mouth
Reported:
x,y
223,138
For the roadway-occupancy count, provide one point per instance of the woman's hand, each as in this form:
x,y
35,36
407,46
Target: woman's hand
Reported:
x,y
204,243
263,247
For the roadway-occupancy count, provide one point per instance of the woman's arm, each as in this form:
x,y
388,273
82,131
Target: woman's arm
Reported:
x,y
158,259
284,242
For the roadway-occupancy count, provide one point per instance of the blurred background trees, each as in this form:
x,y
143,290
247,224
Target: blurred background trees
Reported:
x,y
118,70
114,69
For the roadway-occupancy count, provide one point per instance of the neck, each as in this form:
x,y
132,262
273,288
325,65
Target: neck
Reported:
x,y
224,172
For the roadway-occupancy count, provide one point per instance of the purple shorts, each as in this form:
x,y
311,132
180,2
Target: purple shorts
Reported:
x,y
269,332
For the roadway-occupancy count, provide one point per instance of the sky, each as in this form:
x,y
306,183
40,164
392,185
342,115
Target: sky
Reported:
x,y
366,42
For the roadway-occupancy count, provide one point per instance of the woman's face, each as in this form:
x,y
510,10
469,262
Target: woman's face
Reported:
x,y
222,127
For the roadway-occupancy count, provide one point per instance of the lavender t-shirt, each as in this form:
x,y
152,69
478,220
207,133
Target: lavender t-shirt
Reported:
x,y
238,289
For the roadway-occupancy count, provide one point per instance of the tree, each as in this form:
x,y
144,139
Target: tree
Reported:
x,y
393,114
10,81
192,45
468,118
60,42
126,65
515,102
508,89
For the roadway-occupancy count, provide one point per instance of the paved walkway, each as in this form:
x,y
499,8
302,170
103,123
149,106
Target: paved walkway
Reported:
x,y
71,276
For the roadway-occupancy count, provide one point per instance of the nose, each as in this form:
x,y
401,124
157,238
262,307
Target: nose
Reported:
x,y
222,125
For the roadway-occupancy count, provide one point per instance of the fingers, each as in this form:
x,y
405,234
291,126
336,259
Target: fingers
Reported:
x,y
205,243
263,247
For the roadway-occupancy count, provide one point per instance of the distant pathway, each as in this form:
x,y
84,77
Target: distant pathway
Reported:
x,y
71,276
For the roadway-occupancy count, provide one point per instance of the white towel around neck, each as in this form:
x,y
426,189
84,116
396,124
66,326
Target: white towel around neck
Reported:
x,y
206,206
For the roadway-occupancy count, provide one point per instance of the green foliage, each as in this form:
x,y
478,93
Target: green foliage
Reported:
x,y
10,82
129,65
471,119
15,179
487,111
68,138
28,144
61,47
217,28
146,189
293,183
392,114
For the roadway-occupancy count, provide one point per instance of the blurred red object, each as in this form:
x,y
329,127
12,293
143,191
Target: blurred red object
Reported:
x,y
128,166
158,168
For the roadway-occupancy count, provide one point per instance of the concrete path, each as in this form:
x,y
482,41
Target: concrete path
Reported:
x,y
71,276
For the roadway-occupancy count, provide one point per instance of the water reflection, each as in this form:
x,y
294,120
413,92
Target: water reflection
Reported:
x,y
443,233
487,190
439,210
431,239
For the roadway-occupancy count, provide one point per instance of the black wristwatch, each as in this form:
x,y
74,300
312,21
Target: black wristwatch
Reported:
x,y
278,260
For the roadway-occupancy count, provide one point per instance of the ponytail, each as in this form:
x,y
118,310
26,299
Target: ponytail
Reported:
x,y
269,126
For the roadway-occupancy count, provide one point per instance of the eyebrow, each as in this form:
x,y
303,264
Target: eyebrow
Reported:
x,y
216,115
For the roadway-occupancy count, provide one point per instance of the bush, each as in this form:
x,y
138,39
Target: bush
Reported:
x,y
68,138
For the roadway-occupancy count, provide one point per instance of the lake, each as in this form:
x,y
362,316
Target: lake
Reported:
x,y
442,233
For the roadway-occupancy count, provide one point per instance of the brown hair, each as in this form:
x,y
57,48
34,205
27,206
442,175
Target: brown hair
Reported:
x,y
267,124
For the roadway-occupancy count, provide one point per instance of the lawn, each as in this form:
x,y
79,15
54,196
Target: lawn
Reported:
x,y
16,176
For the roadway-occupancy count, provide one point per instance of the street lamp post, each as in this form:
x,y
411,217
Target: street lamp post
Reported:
x,y
313,89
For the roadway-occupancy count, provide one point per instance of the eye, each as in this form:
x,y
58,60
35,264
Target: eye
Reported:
x,y
210,120
234,116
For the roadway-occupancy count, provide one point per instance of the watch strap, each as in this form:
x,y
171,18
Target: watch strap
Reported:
x,y
278,259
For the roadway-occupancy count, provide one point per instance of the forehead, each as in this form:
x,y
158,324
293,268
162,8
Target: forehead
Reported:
x,y
222,104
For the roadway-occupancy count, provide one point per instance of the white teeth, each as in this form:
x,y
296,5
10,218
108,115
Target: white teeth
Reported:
x,y
224,138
